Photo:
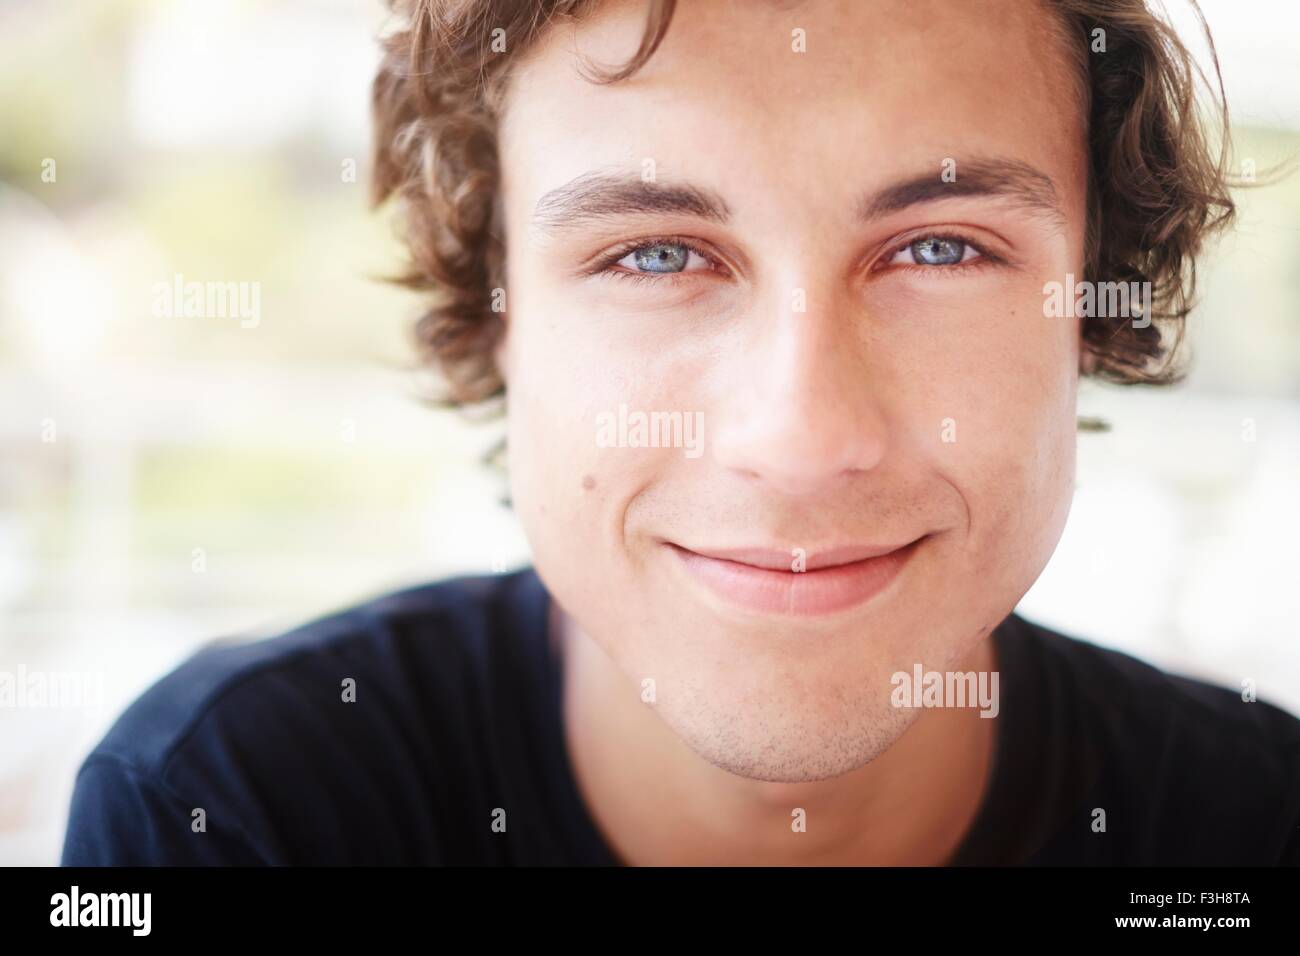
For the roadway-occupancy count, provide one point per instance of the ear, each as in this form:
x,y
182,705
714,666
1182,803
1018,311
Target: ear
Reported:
x,y
1087,358
501,351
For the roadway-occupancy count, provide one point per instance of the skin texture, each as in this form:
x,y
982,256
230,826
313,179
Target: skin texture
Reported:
x,y
822,427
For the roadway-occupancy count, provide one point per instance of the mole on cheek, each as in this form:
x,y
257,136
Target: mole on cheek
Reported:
x,y
588,482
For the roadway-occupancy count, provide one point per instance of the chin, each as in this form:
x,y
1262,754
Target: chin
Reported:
x,y
781,741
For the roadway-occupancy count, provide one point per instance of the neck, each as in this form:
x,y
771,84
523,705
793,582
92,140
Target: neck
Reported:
x,y
657,802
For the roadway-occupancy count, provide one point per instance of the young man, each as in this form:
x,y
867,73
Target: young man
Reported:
x,y
791,430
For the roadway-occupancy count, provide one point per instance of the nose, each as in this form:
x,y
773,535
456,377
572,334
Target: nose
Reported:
x,y
801,411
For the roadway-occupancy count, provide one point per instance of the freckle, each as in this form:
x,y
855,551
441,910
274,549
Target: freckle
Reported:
x,y
588,482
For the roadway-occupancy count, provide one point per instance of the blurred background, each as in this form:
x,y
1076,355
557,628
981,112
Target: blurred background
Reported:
x,y
165,479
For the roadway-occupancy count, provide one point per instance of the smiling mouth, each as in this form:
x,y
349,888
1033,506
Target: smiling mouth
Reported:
x,y
763,580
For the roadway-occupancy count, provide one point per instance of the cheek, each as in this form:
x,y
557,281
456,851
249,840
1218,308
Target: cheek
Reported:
x,y
568,489
991,403
570,494
1014,464
550,451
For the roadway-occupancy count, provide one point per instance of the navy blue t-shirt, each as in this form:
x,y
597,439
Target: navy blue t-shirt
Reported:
x,y
457,725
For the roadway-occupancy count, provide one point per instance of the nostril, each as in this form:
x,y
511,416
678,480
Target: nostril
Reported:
x,y
798,457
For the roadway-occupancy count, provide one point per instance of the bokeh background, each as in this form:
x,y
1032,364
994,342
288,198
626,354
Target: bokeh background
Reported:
x,y
168,480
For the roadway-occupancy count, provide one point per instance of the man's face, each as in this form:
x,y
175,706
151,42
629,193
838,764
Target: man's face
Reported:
x,y
724,236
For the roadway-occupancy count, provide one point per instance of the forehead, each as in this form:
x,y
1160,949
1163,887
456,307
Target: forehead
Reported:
x,y
882,87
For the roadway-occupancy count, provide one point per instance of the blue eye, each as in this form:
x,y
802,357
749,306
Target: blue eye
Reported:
x,y
938,252
659,257
935,251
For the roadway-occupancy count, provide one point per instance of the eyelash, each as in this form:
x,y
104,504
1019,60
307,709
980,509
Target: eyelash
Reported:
x,y
604,267
983,259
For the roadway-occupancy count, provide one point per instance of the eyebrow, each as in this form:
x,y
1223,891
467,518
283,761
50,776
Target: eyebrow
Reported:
x,y
604,195
1017,181
607,195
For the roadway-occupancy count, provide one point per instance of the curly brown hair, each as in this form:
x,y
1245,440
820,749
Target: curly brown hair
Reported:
x,y
1156,187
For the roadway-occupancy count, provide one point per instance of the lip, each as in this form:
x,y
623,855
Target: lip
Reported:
x,y
760,580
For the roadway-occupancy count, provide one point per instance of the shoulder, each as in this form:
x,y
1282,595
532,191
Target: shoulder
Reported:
x,y
442,631
281,740
1211,718
1201,771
